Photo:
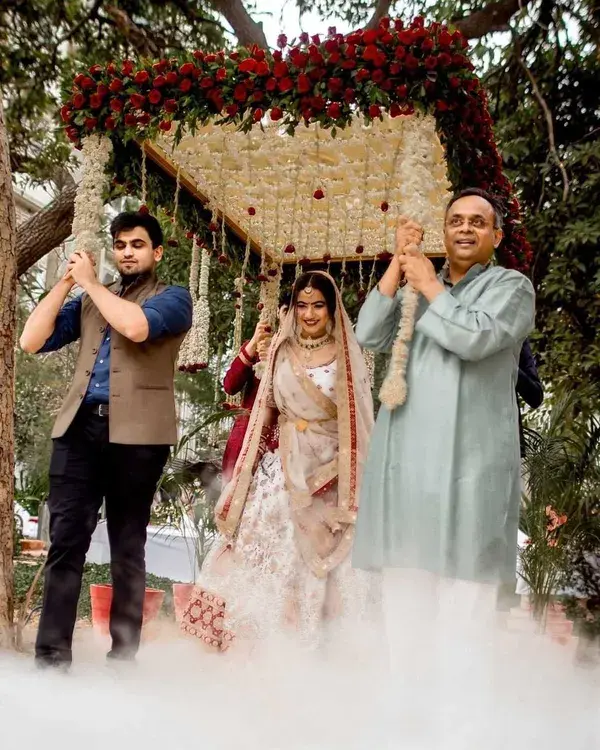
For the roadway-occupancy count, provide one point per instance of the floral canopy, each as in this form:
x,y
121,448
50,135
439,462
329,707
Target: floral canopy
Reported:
x,y
307,153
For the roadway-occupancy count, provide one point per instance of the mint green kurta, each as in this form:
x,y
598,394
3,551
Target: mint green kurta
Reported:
x,y
441,487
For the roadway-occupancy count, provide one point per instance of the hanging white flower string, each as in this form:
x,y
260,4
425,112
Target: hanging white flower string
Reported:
x,y
213,435
418,176
89,203
144,175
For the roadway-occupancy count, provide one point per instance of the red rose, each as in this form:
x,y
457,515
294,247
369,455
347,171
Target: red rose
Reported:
x,y
165,125
262,69
170,106
378,76
286,84
102,90
348,64
258,96
454,82
331,46
127,68
96,70
299,59
211,58
154,96
248,65
258,114
385,207
116,105
276,114
282,41
362,75
281,69
95,101
411,62
316,39
271,84
160,66
445,39
370,36
115,85
144,118
406,37
395,69
187,69
111,69
444,59
78,79
258,54
232,110
110,123
431,62
402,91
66,113
240,93
213,227
374,111
400,53
304,84
141,76
185,85
318,194
360,249
370,52
318,103
335,85
90,122
87,83
335,57
334,111
205,83
277,55
304,38
221,74
78,101
427,45
349,95
130,120
289,249
137,100
252,211
172,78
395,110
159,82
73,134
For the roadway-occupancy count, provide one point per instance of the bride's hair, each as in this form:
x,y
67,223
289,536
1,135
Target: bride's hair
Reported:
x,y
322,284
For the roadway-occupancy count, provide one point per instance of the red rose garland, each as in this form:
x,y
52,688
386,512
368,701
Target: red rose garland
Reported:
x,y
395,68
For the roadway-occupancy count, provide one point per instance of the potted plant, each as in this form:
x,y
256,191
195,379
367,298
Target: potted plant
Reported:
x,y
561,515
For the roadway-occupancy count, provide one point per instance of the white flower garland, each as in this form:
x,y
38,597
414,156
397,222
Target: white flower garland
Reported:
x,y
194,350
89,204
424,198
286,170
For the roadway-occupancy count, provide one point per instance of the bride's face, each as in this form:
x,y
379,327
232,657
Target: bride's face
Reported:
x,y
312,314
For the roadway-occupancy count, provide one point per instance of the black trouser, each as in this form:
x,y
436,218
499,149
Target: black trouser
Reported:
x,y
85,469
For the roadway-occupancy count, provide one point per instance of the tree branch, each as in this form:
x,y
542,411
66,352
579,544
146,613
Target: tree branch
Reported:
x,y
93,13
382,9
45,230
135,35
549,122
195,16
494,16
246,29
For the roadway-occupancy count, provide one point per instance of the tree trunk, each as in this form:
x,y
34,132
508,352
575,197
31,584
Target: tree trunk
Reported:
x,y
8,295
45,230
246,29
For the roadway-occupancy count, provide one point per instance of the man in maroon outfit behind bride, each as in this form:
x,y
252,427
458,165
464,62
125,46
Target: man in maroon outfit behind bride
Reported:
x,y
240,378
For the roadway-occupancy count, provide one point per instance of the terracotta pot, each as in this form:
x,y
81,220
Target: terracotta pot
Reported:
x,y
32,545
182,593
101,596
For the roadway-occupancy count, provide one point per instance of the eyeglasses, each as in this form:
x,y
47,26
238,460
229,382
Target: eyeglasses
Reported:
x,y
478,222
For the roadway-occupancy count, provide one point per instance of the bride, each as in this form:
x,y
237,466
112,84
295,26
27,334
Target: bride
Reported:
x,y
281,562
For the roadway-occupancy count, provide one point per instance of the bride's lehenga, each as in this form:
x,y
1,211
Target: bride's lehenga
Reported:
x,y
281,565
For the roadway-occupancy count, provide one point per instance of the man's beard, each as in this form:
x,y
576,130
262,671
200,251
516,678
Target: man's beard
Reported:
x,y
132,277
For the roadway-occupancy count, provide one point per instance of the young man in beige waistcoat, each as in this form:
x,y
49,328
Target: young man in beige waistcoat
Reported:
x,y
112,435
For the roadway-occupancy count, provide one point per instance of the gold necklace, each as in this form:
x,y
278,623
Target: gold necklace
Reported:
x,y
308,346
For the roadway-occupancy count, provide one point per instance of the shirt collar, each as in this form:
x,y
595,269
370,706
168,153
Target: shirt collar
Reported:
x,y
471,274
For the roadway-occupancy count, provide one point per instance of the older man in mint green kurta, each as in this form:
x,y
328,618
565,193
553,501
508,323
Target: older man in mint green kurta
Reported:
x,y
441,487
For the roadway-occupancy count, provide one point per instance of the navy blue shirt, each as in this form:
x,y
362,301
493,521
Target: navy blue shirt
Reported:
x,y
168,314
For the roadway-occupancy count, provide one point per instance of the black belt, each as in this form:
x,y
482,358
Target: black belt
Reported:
x,y
100,410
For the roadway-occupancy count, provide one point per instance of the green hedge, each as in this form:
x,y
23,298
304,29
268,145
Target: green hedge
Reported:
x,y
92,573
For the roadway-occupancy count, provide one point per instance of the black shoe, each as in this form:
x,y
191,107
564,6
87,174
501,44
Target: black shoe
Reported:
x,y
48,663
